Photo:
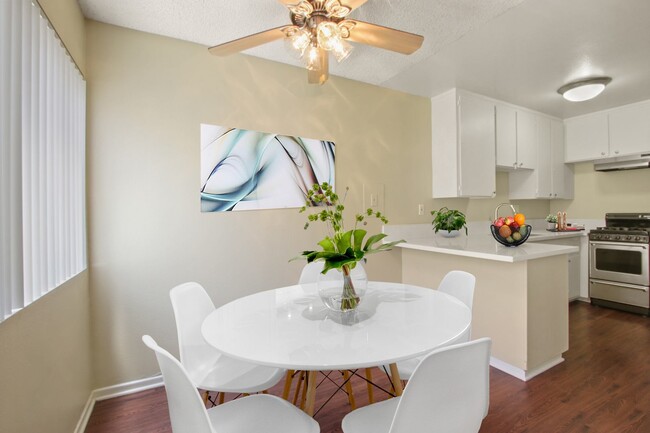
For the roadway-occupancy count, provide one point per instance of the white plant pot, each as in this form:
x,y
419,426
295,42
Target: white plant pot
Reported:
x,y
451,234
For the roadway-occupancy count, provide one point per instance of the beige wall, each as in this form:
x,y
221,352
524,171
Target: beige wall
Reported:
x,y
45,357
147,97
599,192
45,362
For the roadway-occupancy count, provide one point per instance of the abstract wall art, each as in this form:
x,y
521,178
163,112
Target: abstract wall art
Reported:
x,y
246,170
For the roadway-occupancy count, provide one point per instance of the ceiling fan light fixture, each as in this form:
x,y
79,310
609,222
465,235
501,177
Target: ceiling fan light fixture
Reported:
x,y
302,9
335,9
312,58
319,27
328,35
342,50
300,40
584,90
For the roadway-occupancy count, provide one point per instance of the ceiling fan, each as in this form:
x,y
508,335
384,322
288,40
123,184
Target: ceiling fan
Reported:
x,y
319,28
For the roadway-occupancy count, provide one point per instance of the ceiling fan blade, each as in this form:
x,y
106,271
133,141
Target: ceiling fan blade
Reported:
x,y
353,4
385,37
320,75
250,41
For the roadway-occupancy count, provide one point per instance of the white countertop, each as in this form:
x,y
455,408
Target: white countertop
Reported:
x,y
479,243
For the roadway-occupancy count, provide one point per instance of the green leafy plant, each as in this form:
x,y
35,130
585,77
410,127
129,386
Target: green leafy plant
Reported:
x,y
341,249
448,219
550,218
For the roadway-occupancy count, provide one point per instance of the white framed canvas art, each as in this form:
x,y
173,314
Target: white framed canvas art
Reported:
x,y
246,170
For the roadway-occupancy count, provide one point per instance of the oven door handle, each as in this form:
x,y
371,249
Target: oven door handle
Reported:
x,y
618,244
628,286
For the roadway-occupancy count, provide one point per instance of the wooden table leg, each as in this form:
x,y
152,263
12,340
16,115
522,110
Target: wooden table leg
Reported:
x,y
394,377
311,393
348,389
287,384
370,386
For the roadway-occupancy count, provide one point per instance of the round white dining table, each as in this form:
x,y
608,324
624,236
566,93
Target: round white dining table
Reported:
x,y
291,328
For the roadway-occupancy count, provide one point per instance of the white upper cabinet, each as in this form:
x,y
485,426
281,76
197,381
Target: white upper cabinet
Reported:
x,y
617,132
463,145
515,138
629,129
552,178
506,130
587,137
562,173
526,139
544,159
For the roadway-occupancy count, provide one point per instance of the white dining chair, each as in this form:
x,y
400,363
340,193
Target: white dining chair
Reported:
x,y
449,392
459,284
209,369
252,414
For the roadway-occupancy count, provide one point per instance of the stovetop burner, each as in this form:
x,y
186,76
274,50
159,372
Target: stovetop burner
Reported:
x,y
624,227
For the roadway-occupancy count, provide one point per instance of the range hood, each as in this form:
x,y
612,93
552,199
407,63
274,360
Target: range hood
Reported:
x,y
631,162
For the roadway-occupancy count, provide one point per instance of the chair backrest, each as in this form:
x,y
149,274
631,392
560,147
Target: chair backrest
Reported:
x,y
459,284
448,392
311,270
191,305
186,409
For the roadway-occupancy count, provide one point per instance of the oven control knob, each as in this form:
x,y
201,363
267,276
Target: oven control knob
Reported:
x,y
628,237
606,236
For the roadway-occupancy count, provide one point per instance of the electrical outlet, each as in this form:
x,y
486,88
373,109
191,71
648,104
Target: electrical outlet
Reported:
x,y
420,209
373,196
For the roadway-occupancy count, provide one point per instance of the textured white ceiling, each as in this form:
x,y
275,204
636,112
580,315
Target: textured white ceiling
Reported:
x,y
526,54
212,22
519,54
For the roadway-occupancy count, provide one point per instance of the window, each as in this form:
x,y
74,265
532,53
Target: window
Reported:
x,y
42,158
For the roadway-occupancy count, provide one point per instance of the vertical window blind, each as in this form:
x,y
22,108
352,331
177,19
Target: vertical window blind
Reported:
x,y
42,159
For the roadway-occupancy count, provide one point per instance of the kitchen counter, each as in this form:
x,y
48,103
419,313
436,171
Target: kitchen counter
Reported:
x,y
521,293
477,244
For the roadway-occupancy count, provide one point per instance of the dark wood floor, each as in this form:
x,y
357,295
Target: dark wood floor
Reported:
x,y
602,387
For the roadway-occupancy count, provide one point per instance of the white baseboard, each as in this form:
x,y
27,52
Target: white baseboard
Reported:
x,y
115,391
521,374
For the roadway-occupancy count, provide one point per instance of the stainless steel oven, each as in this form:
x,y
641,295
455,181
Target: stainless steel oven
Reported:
x,y
619,263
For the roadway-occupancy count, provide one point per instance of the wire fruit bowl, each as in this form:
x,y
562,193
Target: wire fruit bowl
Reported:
x,y
513,235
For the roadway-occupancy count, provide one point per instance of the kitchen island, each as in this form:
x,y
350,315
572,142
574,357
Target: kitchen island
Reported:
x,y
521,293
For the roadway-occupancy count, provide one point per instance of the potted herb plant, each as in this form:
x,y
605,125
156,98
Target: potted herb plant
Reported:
x,y
341,249
551,222
448,221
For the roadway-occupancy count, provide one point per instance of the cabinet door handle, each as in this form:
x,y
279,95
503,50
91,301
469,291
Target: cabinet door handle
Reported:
x,y
602,153
520,164
616,152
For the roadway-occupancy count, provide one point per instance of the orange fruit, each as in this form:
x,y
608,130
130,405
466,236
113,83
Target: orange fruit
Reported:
x,y
520,219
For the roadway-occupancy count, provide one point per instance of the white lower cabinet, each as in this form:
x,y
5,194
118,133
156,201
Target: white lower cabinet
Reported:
x,y
576,270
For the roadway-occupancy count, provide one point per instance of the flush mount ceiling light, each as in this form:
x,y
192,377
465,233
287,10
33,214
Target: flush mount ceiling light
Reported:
x,y
584,90
321,27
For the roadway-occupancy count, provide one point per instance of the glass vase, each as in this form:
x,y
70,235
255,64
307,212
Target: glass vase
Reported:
x,y
342,289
